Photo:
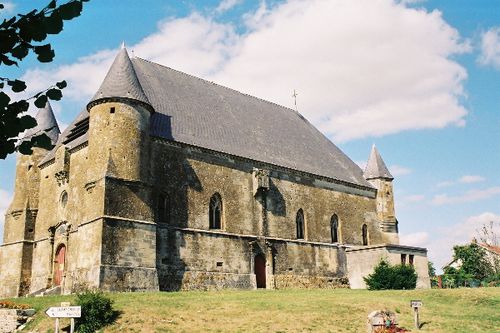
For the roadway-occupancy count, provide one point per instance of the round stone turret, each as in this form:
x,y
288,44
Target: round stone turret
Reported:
x,y
119,124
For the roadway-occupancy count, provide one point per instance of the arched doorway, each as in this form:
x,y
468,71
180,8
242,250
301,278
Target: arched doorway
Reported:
x,y
260,270
59,264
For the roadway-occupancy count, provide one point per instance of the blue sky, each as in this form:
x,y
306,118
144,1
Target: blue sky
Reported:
x,y
420,79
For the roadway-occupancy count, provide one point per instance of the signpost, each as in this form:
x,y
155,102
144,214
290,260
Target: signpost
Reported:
x,y
64,311
416,304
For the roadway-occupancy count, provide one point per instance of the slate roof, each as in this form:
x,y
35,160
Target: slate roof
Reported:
x,y
46,123
197,112
121,81
376,168
82,116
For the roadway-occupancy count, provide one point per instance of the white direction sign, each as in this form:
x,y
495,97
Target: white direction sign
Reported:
x,y
416,303
64,312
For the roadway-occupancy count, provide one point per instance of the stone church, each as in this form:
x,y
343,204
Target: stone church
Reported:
x,y
166,181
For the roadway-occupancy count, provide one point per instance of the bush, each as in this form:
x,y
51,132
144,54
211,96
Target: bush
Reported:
x,y
386,276
97,311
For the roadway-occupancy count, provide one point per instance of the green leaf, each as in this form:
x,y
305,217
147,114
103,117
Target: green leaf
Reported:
x,y
18,107
54,94
7,23
41,101
20,51
8,39
45,53
8,148
70,10
7,61
25,148
17,85
4,99
52,4
61,84
31,27
54,23
27,122
42,141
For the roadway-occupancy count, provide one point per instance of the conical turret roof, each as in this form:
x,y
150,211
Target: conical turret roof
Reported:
x,y
46,123
376,168
121,81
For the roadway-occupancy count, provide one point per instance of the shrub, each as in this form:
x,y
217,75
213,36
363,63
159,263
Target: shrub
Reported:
x,y
386,276
97,311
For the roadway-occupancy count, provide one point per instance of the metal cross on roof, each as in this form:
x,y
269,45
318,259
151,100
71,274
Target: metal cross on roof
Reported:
x,y
295,97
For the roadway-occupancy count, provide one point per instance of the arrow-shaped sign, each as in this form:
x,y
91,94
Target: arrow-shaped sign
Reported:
x,y
64,312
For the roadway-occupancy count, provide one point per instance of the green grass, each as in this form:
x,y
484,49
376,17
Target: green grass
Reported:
x,y
342,310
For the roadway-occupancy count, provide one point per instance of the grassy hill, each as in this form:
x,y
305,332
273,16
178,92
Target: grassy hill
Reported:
x,y
343,310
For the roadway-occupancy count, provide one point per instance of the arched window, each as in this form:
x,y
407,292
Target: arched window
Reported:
x,y
334,224
364,231
299,223
63,202
163,208
215,212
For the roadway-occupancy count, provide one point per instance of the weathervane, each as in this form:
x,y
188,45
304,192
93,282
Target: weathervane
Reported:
x,y
295,98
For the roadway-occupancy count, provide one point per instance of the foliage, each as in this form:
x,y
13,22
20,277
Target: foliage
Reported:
x,y
474,268
432,270
454,277
97,311
20,35
12,305
473,261
386,276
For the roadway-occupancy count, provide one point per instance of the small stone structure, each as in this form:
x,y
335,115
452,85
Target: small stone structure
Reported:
x,y
363,259
169,182
12,319
380,319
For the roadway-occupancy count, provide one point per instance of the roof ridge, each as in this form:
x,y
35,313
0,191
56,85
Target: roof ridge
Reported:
x,y
220,85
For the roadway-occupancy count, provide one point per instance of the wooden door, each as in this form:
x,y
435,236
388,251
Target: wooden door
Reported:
x,y
59,265
260,270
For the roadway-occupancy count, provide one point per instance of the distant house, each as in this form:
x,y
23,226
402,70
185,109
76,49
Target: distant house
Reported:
x,y
492,254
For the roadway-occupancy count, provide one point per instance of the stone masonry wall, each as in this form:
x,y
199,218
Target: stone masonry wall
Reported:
x,y
191,256
11,319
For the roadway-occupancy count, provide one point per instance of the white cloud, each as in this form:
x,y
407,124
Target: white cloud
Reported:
x,y
5,199
226,5
410,2
8,8
468,179
414,198
445,183
468,196
358,76
388,70
397,170
194,44
441,247
490,48
414,239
